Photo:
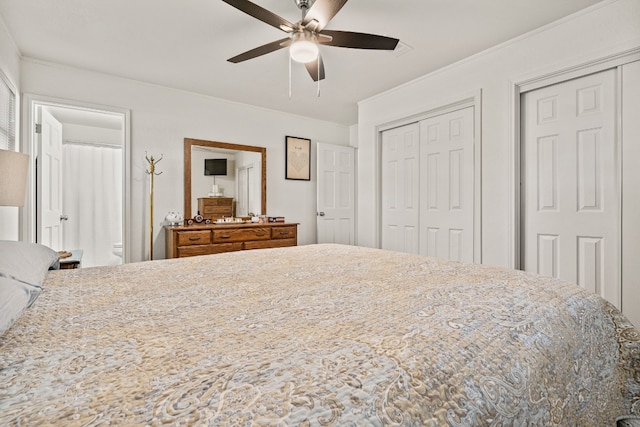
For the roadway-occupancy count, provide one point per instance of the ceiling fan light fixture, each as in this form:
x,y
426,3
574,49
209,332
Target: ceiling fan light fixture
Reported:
x,y
304,48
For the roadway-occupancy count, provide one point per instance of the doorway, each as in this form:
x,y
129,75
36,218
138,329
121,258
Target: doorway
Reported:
x,y
79,190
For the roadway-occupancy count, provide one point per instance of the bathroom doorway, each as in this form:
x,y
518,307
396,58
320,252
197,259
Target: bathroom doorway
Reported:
x,y
80,195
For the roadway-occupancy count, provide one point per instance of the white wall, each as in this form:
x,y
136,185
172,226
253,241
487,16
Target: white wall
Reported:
x,y
10,67
162,117
607,28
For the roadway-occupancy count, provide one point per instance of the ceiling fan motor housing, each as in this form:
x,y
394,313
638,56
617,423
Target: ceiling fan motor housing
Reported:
x,y
304,4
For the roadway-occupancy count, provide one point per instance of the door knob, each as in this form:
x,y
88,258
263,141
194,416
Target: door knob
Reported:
x,y
64,217
320,213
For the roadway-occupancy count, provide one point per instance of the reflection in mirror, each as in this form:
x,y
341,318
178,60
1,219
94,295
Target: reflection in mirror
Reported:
x,y
244,179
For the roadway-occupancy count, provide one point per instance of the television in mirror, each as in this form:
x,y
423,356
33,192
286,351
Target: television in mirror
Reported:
x,y
215,167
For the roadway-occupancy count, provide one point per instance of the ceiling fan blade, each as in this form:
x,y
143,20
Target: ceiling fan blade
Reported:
x,y
358,40
314,66
261,50
322,12
262,14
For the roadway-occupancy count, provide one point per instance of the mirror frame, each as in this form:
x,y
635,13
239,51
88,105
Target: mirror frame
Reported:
x,y
190,142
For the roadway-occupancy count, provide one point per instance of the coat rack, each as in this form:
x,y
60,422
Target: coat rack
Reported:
x,y
152,173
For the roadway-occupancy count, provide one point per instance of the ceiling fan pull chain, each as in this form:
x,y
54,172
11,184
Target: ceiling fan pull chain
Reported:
x,y
289,77
318,62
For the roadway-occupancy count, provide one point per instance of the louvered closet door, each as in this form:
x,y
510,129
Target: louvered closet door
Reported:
x,y
570,206
447,185
400,188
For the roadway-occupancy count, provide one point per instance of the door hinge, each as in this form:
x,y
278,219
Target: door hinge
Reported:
x,y
38,128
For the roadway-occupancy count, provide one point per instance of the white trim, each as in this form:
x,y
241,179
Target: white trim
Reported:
x,y
473,99
563,73
32,101
447,106
619,179
523,84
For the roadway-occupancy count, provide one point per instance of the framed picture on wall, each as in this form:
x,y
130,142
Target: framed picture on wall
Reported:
x,y
298,158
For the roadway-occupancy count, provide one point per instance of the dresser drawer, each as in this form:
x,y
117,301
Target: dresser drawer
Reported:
x,y
215,207
241,234
216,210
185,251
217,201
273,243
195,237
288,232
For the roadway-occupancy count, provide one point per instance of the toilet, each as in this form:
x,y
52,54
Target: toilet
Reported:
x,y
117,249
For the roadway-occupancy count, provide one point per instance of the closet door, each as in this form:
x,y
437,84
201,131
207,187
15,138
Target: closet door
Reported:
x,y
447,185
400,186
571,217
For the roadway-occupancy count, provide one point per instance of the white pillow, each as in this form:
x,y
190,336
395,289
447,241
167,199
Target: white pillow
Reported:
x,y
15,297
26,262
23,267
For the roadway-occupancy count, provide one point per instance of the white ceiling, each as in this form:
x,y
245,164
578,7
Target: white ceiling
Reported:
x,y
184,44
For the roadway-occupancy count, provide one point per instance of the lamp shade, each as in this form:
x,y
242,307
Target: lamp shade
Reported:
x,y
13,177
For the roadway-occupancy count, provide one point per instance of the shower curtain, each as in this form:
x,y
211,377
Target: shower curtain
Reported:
x,y
92,199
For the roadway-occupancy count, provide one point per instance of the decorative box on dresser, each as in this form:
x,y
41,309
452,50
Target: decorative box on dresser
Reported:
x,y
191,240
215,207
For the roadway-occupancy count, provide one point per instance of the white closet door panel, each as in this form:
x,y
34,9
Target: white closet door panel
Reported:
x,y
400,188
570,194
447,185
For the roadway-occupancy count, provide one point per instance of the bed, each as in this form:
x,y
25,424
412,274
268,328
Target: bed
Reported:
x,y
317,335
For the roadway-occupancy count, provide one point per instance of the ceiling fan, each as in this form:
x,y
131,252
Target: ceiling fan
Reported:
x,y
306,35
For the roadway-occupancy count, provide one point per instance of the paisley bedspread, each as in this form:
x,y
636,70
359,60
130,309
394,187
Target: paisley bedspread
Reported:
x,y
319,335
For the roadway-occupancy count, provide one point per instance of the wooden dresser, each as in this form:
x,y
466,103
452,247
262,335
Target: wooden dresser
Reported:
x,y
191,240
215,207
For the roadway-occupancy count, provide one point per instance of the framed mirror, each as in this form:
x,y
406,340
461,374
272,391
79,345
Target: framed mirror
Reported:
x,y
244,180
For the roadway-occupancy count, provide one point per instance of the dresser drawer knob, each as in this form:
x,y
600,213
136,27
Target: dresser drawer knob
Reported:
x,y
260,233
194,238
284,233
225,236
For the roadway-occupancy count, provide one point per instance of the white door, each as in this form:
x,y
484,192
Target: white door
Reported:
x,y
246,191
400,188
570,199
252,201
447,185
336,194
49,181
